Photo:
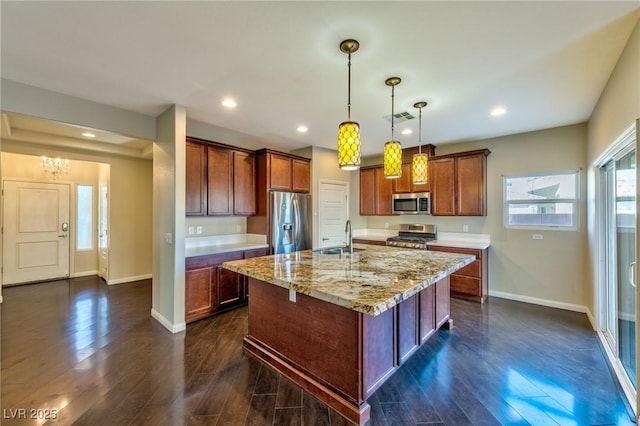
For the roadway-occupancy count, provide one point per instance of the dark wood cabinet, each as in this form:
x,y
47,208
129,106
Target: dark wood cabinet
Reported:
x,y
210,289
301,176
220,180
196,179
244,184
375,192
470,282
458,184
405,184
278,171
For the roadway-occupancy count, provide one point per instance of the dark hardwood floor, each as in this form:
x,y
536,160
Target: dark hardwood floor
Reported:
x,y
90,354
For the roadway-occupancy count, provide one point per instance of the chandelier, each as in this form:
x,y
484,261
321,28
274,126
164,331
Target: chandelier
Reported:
x,y
55,166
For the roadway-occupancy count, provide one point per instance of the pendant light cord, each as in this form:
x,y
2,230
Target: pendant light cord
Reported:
x,y
349,90
420,132
392,118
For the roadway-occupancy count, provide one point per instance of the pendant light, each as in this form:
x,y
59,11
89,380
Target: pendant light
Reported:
x,y
392,149
349,131
420,163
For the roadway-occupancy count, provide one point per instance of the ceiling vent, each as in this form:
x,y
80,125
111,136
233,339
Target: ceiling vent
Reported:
x,y
399,117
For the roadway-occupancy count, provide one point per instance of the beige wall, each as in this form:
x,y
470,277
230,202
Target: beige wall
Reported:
x,y
551,270
223,225
130,203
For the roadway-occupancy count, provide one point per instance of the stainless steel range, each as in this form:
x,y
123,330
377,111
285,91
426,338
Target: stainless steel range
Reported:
x,y
413,236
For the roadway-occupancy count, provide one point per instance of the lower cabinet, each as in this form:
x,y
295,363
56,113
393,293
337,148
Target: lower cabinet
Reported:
x,y
470,282
210,289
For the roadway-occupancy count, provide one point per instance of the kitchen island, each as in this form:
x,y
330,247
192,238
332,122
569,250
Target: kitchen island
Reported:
x,y
339,325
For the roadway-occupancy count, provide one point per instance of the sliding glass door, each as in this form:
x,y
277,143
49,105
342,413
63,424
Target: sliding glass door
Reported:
x,y
618,179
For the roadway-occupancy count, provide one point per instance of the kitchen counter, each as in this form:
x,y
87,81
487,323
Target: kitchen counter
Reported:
x,y
462,240
202,246
370,281
340,325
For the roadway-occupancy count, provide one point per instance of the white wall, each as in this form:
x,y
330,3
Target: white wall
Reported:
x,y
130,202
169,161
551,270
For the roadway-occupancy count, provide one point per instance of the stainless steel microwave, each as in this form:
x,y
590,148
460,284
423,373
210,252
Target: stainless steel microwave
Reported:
x,y
414,203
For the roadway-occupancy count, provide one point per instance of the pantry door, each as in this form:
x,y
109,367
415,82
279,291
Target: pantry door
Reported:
x,y
36,231
333,213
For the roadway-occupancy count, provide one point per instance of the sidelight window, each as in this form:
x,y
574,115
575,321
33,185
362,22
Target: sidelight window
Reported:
x,y
541,201
85,217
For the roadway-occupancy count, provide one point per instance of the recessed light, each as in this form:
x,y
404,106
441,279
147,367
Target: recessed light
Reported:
x,y
89,135
497,111
302,129
407,131
229,103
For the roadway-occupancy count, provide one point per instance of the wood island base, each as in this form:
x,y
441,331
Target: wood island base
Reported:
x,y
339,355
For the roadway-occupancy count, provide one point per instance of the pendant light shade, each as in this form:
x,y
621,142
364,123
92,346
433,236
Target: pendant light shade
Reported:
x,y
349,131
420,163
393,149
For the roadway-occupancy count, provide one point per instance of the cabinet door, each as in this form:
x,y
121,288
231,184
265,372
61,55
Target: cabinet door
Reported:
x,y
383,192
470,185
367,198
200,294
301,176
220,198
442,177
427,313
443,301
281,174
244,184
403,184
196,179
230,287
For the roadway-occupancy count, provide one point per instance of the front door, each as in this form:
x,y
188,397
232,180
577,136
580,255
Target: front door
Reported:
x,y
36,231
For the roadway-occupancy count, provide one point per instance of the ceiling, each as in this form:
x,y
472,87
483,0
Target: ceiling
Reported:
x,y
546,62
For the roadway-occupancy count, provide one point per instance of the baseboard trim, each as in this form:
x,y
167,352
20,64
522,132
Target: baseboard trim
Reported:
x,y
84,274
174,328
592,320
542,302
129,279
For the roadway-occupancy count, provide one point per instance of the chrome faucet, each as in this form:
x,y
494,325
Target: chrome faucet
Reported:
x,y
349,233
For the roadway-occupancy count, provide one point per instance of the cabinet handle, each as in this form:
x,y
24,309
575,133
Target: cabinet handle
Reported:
x,y
631,275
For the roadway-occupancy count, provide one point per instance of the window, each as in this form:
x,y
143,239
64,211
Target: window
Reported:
x,y
541,201
85,217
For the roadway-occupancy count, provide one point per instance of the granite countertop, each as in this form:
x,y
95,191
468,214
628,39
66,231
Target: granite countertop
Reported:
x,y
369,281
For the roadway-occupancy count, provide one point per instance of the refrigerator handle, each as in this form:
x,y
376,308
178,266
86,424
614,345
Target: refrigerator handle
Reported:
x,y
296,223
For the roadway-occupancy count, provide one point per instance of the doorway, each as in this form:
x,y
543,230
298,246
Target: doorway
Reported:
x,y
333,212
36,231
617,207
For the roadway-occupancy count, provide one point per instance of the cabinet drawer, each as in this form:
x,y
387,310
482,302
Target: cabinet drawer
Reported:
x,y
248,254
211,259
466,285
471,270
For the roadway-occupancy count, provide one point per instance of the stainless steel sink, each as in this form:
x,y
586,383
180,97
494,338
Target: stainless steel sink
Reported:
x,y
336,250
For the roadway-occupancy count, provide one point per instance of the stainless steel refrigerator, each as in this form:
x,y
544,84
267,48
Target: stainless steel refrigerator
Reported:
x,y
290,227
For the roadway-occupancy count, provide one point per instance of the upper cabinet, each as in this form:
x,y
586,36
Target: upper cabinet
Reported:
x,y
196,179
283,172
459,184
375,192
405,184
220,180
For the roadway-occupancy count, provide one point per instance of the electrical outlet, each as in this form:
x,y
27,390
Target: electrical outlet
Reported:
x,y
191,230
537,236
168,238
386,225
238,229
465,228
199,230
292,296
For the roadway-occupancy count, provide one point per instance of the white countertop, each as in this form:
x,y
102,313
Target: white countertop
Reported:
x,y
445,239
462,240
202,246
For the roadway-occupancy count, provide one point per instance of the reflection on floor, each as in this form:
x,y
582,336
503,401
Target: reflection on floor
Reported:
x,y
91,354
